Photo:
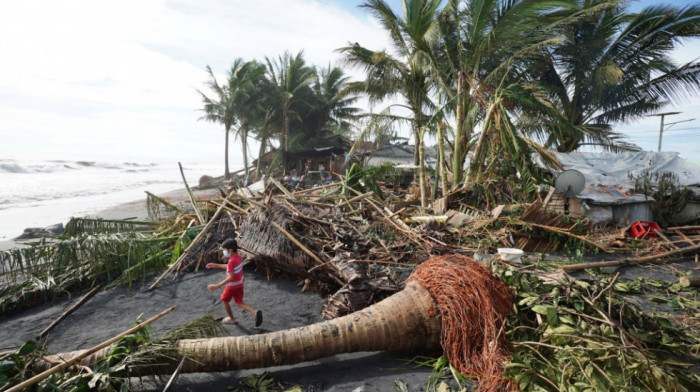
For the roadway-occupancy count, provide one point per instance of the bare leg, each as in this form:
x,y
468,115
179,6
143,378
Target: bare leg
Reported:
x,y
247,307
227,307
256,313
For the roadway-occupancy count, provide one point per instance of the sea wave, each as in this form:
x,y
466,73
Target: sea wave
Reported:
x,y
52,166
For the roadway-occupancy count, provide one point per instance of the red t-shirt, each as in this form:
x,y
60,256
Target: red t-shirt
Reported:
x,y
235,268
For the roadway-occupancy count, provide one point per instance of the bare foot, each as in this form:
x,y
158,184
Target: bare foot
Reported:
x,y
227,320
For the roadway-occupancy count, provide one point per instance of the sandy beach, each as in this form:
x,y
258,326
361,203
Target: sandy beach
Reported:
x,y
113,311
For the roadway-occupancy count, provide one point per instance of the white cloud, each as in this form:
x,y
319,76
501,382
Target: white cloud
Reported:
x,y
120,77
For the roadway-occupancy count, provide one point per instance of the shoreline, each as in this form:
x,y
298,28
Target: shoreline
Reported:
x,y
135,209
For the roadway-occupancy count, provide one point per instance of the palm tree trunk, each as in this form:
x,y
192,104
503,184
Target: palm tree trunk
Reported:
x,y
450,302
416,140
492,118
441,158
285,119
261,152
460,142
421,171
407,321
244,146
227,174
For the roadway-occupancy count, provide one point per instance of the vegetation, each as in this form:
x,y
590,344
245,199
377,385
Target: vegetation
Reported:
x,y
501,79
92,252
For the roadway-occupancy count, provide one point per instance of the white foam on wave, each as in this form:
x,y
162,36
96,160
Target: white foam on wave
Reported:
x,y
35,193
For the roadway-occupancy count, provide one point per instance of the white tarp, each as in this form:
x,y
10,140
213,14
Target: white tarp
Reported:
x,y
613,169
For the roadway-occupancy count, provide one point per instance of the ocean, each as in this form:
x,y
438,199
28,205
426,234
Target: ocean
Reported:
x,y
40,193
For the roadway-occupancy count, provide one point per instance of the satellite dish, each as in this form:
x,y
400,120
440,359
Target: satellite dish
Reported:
x,y
569,183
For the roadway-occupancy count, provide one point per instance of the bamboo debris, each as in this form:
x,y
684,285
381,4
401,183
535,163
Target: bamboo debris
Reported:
x,y
565,232
165,203
202,220
199,238
175,374
639,260
68,312
693,281
67,363
355,199
283,189
294,240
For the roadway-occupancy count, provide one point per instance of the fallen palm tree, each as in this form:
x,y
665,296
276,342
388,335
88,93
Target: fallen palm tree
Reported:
x,y
449,301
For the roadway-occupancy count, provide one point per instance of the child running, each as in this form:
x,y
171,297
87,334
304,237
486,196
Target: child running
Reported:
x,y
234,283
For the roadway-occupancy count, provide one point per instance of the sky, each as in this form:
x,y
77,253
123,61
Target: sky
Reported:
x,y
118,79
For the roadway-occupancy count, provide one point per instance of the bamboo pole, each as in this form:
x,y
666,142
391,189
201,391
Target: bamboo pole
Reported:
x,y
201,235
640,260
297,193
693,281
39,377
684,237
282,188
355,199
192,199
294,240
663,237
684,228
69,311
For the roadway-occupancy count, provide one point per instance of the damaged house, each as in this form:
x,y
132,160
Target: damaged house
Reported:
x,y
609,196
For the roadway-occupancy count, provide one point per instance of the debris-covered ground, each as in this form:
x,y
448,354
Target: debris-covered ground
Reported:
x,y
593,308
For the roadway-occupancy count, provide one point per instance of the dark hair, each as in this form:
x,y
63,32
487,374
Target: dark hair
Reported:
x,y
230,244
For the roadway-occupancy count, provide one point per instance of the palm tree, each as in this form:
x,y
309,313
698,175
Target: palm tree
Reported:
x,y
231,100
332,109
612,67
288,81
408,73
481,43
249,81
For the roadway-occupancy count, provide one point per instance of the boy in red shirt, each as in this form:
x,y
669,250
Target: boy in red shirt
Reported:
x,y
234,283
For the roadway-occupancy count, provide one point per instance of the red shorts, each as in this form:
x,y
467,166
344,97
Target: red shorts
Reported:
x,y
233,292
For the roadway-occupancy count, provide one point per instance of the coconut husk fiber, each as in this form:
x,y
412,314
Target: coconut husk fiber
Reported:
x,y
473,305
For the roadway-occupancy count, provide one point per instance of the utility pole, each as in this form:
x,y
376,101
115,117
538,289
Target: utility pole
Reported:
x,y
661,128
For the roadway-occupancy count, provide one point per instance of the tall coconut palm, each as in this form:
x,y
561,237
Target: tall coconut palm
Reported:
x,y
250,111
481,43
407,74
231,101
612,67
333,109
288,87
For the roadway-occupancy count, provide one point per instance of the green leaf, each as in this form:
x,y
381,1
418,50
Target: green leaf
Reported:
x,y
27,348
549,311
